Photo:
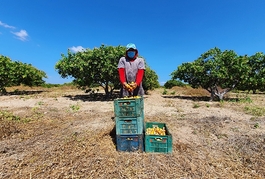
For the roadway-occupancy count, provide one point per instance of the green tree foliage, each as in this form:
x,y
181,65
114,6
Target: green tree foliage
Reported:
x,y
216,71
150,80
96,66
256,74
15,73
171,83
90,67
29,75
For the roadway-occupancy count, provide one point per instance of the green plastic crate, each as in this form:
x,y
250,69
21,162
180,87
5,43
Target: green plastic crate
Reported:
x,y
134,125
158,143
131,107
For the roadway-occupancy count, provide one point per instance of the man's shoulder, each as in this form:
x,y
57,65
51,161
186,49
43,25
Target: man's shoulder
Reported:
x,y
122,58
140,59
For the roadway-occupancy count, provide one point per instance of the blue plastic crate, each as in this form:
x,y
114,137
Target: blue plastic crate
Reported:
x,y
158,143
125,126
129,107
130,143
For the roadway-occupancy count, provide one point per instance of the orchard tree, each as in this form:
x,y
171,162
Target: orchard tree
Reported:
x,y
171,83
14,73
28,75
216,71
256,74
5,73
92,67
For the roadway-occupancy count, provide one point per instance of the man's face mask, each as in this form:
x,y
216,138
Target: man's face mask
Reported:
x,y
131,54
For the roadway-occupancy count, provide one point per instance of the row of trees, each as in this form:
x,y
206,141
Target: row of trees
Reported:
x,y
14,73
216,71
222,71
88,68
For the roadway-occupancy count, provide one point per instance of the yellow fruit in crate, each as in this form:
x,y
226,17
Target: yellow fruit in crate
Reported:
x,y
155,131
131,97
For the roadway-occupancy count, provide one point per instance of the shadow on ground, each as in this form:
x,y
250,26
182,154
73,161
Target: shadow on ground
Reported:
x,y
93,97
199,98
16,92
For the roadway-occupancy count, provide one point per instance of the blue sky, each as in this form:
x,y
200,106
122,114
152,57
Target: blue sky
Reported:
x,y
166,33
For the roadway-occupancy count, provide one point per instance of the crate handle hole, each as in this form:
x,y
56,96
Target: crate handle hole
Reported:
x,y
158,139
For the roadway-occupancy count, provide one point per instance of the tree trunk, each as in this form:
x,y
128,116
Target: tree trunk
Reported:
x,y
107,93
221,96
212,95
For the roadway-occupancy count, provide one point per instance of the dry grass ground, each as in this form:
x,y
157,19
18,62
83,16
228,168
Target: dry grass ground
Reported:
x,y
64,133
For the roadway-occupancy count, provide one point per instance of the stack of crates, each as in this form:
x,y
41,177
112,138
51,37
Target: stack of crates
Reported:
x,y
129,124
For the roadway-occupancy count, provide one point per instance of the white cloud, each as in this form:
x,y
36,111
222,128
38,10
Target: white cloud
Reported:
x,y
6,26
21,35
77,49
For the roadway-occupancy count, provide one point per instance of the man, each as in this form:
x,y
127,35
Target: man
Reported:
x,y
131,71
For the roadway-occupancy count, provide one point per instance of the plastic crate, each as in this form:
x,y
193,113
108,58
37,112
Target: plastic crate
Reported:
x,y
130,143
158,143
129,125
130,107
